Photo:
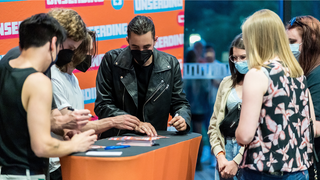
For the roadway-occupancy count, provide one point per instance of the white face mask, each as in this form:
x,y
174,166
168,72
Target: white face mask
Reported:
x,y
295,50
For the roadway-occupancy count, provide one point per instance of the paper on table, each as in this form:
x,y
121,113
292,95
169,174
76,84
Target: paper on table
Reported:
x,y
96,147
137,138
103,153
136,143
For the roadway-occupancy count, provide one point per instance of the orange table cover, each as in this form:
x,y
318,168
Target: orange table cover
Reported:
x,y
173,162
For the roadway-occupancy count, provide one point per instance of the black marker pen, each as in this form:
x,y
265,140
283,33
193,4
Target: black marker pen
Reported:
x,y
71,109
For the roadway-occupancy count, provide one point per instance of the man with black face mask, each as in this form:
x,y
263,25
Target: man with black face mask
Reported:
x,y
25,100
74,119
142,81
76,33
67,92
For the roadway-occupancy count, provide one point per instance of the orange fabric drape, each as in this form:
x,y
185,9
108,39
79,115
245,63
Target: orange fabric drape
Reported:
x,y
174,162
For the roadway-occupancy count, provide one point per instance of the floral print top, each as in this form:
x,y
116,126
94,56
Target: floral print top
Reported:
x,y
282,139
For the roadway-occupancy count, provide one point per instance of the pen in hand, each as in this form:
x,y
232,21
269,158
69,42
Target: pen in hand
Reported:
x,y
176,115
71,109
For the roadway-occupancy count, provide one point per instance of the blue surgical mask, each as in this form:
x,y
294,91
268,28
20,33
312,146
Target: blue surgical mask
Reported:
x,y
295,50
242,67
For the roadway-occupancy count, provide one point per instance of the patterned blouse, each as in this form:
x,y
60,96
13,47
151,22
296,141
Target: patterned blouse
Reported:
x,y
282,139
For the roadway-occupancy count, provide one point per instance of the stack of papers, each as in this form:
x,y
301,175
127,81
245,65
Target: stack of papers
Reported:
x,y
136,141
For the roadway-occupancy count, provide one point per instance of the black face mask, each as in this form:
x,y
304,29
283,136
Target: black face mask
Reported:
x,y
85,65
64,57
141,56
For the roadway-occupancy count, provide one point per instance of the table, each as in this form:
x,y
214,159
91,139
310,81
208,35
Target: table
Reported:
x,y
173,159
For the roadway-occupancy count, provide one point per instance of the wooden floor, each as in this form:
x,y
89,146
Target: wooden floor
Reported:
x,y
208,169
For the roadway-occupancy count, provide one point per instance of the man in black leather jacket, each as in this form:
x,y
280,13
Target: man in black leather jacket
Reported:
x,y
142,81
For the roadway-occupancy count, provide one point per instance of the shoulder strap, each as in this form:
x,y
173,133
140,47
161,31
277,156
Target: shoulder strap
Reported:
x,y
312,140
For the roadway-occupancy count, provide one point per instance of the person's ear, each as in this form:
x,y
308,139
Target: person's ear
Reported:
x,y
127,38
53,44
156,38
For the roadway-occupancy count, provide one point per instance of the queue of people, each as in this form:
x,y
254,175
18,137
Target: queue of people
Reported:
x,y
270,100
277,125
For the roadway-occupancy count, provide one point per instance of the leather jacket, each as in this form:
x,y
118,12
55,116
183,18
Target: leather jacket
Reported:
x,y
117,90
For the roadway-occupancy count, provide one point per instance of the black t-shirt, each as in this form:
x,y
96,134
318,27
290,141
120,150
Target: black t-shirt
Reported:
x,y
143,74
15,143
15,53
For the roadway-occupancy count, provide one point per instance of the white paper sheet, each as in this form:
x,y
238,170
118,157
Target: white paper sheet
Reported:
x,y
103,153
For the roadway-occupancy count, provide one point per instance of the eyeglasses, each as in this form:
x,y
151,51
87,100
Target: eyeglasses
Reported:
x,y
295,20
235,59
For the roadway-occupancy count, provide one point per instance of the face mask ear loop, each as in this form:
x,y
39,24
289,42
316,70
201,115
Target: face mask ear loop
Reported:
x,y
60,49
62,46
51,51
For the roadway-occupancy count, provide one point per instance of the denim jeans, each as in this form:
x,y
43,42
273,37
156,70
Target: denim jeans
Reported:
x,y
232,149
256,175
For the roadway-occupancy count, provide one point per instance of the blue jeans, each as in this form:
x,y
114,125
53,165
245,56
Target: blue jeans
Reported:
x,y
232,149
252,175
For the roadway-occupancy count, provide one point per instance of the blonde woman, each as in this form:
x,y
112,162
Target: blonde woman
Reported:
x,y
275,115
225,147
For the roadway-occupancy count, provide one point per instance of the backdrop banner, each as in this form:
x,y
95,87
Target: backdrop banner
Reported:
x,y
109,18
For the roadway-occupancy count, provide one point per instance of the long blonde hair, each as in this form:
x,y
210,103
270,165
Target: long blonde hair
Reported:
x,y
265,38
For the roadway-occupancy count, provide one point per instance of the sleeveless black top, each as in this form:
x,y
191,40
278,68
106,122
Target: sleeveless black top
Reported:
x,y
15,145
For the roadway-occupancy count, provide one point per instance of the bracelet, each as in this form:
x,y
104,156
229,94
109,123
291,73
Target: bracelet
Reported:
x,y
221,152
